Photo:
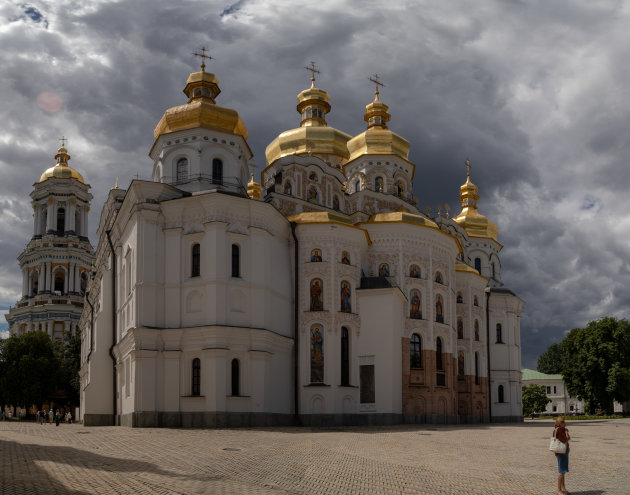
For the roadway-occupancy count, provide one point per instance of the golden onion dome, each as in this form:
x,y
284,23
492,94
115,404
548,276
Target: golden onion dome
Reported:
x,y
475,223
201,110
254,189
378,139
314,136
61,170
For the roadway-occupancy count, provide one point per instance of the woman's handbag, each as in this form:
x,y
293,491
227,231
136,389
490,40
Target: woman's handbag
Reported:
x,y
556,445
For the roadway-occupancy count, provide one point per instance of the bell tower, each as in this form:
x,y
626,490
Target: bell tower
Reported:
x,y
56,261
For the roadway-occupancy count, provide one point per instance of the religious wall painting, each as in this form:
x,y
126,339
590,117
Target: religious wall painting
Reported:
x,y
312,193
317,354
439,309
414,271
378,184
316,255
287,187
476,330
383,270
415,300
460,328
475,301
345,257
346,293
317,298
312,176
438,277
460,365
335,202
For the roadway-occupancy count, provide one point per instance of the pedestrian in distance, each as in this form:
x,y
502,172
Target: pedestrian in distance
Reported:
x,y
57,417
562,434
50,415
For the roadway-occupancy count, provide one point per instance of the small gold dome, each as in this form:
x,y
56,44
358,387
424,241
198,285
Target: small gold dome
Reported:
x,y
254,189
314,136
201,110
474,222
378,139
61,170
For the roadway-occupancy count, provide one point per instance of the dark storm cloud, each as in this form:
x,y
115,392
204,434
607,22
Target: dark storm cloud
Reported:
x,y
532,92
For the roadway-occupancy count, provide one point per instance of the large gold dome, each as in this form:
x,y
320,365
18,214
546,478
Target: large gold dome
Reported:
x,y
201,110
61,170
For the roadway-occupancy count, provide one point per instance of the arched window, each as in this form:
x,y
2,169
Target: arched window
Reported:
x,y
312,176
217,171
378,184
357,186
478,264
345,356
34,282
84,278
61,221
439,364
195,266
182,170
415,304
438,277
477,330
317,354
287,187
60,280
415,351
460,299
476,368
346,293
494,273
312,194
414,271
439,309
460,328
236,380
316,255
501,394
499,333
236,261
196,377
400,188
317,295
460,365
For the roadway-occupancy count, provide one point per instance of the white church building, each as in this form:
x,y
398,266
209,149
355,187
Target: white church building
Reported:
x,y
321,296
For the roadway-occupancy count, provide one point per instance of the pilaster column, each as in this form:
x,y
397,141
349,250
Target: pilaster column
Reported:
x,y
41,284
24,281
77,278
71,268
49,329
48,269
70,215
66,283
84,223
35,219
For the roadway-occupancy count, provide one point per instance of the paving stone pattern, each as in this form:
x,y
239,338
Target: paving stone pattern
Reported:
x,y
423,459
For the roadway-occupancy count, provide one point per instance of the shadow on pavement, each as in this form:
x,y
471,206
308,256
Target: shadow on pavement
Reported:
x,y
21,473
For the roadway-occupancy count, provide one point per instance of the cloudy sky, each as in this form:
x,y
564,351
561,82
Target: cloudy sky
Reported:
x,y
536,93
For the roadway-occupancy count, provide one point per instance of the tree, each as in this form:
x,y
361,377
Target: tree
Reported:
x,y
597,365
27,369
534,399
68,356
552,360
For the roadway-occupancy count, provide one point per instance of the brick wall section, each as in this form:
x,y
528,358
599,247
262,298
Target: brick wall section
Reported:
x,y
422,396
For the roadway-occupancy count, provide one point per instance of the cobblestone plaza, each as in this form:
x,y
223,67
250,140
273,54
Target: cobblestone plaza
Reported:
x,y
484,459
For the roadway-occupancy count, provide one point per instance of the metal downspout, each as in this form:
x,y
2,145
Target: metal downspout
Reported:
x,y
111,349
488,354
296,339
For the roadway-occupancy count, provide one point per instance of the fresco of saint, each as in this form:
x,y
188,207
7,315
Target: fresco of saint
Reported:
x,y
416,310
317,303
345,297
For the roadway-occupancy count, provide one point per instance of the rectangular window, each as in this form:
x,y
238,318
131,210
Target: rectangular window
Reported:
x,y
548,390
554,389
367,393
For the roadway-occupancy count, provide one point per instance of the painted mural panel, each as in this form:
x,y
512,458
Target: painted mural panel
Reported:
x,y
415,310
317,297
317,354
346,293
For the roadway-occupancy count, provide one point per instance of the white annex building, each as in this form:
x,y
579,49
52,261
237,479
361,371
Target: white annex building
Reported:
x,y
56,261
323,296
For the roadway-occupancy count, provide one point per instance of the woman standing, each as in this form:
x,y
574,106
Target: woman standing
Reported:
x,y
562,434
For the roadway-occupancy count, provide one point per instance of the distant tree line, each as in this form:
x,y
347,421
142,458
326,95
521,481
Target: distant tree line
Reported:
x,y
594,363
33,368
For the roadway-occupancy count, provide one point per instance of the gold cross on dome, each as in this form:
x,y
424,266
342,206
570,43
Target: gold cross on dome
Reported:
x,y
468,167
63,140
203,57
313,71
378,83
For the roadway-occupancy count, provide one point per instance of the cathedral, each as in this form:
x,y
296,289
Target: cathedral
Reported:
x,y
320,295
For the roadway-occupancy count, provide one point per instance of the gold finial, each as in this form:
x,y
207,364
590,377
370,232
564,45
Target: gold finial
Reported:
x,y
137,176
378,83
429,210
203,58
439,208
313,71
63,140
116,185
468,167
447,207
